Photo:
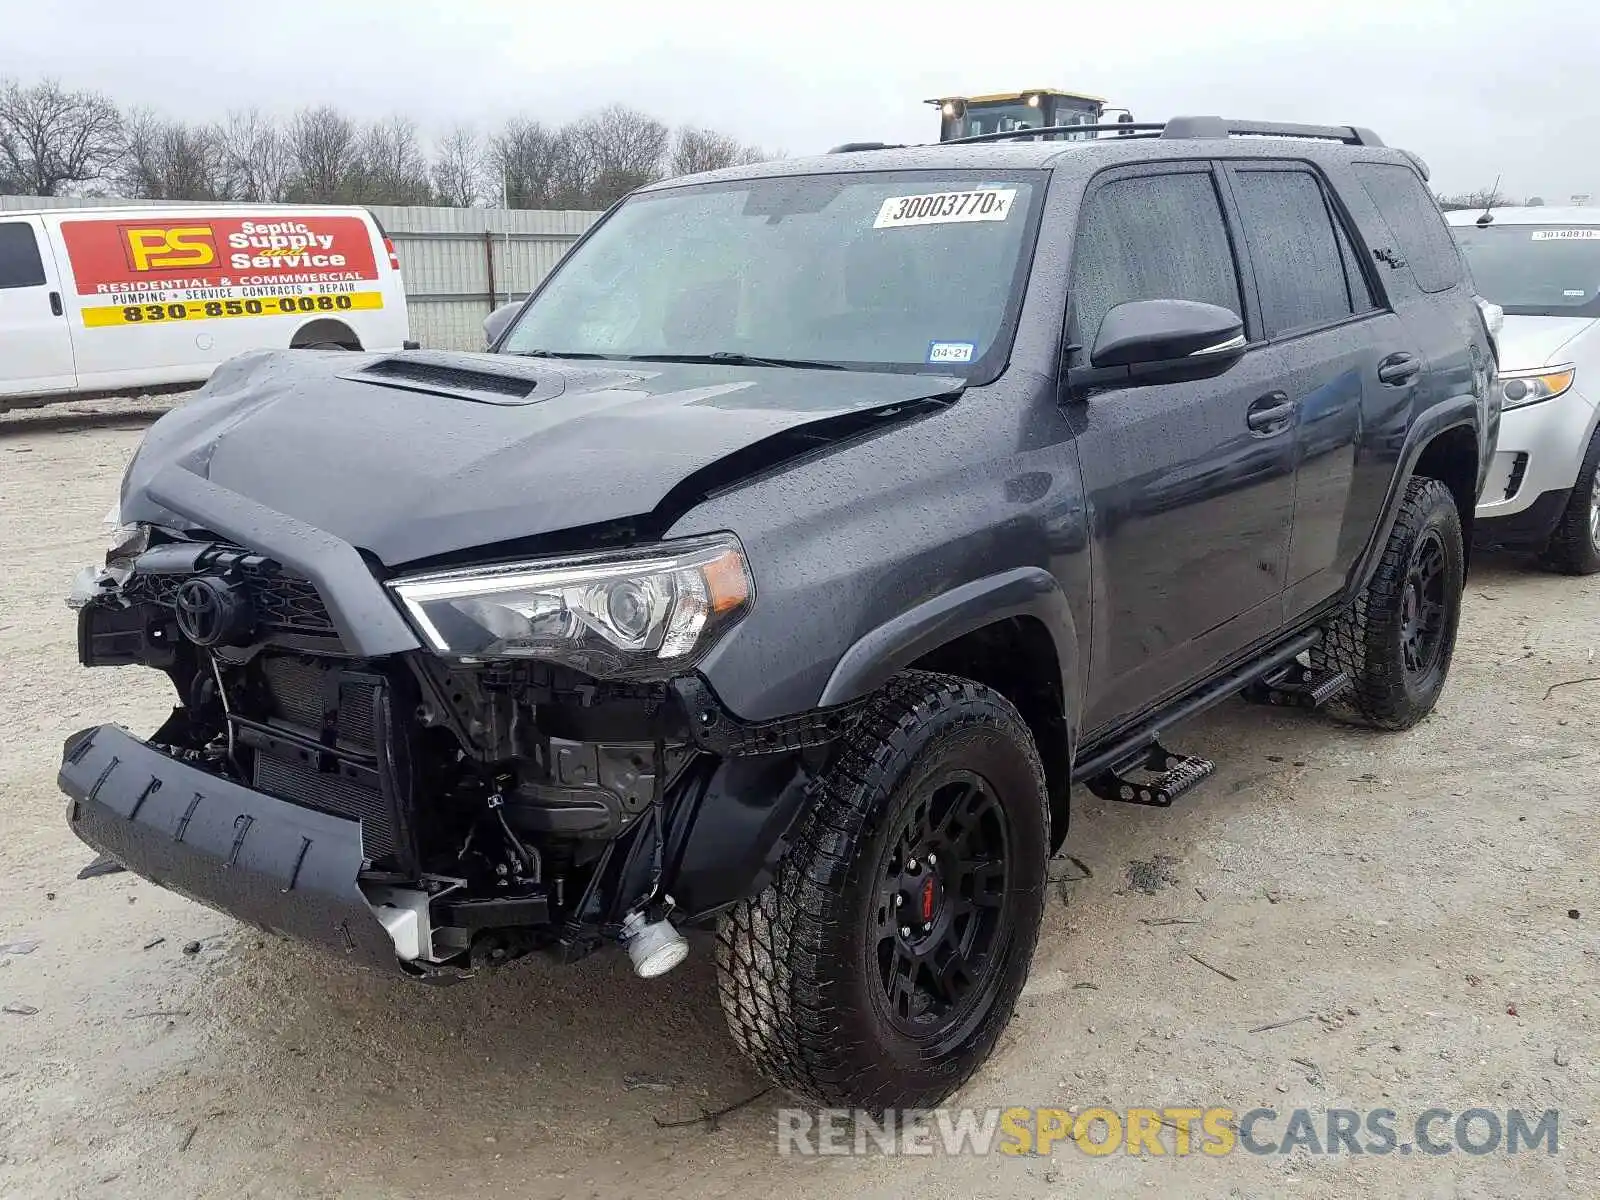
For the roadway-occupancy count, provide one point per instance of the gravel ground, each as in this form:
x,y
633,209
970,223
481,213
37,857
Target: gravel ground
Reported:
x,y
1427,900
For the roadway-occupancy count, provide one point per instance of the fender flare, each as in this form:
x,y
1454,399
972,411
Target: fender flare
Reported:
x,y
732,826
1460,412
1020,592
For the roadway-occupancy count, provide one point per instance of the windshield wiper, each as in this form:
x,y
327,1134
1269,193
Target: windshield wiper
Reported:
x,y
736,359
560,354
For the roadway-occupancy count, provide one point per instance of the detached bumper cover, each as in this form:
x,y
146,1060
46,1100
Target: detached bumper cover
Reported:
x,y
275,865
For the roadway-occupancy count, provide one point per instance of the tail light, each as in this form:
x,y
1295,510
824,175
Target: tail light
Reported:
x,y
394,259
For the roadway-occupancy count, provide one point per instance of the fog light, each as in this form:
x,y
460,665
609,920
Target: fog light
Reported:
x,y
654,947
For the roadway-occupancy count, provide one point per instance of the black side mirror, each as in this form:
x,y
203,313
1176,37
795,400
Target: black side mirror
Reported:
x,y
1146,332
499,320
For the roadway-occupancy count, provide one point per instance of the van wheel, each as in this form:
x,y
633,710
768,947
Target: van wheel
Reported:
x,y
1397,640
1575,546
886,956
325,346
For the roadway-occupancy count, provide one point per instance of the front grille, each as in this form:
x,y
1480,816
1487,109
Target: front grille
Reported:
x,y
284,603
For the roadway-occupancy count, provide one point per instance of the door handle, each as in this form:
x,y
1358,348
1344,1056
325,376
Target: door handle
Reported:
x,y
1399,368
1270,414
55,304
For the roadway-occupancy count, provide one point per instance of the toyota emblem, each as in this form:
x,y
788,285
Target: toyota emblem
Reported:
x,y
210,611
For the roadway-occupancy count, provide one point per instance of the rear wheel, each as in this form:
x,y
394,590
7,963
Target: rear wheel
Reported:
x,y
1397,640
883,961
1575,546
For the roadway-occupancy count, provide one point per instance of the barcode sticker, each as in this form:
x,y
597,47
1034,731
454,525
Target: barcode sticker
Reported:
x,y
1566,235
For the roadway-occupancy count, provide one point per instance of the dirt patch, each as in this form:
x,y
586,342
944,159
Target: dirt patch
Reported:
x,y
1152,876
1362,921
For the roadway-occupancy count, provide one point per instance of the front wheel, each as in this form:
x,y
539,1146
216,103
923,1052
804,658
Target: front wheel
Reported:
x,y
1575,546
1397,640
886,956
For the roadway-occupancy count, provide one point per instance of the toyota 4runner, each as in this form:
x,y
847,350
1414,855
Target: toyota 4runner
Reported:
x,y
802,540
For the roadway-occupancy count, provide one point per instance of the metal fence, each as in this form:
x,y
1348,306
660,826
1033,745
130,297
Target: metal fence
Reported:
x,y
459,264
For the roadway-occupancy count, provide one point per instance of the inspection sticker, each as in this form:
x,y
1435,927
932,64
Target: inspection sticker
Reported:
x,y
951,352
940,208
1566,235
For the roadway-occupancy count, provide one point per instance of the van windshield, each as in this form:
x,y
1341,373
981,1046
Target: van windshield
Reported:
x,y
906,271
1534,270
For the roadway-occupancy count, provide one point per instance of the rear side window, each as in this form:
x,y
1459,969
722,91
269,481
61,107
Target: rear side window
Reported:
x,y
1361,298
1416,222
1293,248
1151,237
20,264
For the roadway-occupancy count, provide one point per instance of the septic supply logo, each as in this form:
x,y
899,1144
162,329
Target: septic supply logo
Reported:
x,y
1167,1131
171,248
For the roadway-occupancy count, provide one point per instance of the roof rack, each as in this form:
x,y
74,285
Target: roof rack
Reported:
x,y
1177,127
1127,128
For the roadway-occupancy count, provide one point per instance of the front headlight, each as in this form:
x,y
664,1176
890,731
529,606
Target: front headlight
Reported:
x,y
634,614
1519,388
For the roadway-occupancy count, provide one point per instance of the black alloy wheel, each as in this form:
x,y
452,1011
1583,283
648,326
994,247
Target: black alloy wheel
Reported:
x,y
941,914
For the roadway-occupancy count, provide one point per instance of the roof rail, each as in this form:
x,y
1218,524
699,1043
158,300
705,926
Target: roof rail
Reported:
x,y
1219,127
1177,127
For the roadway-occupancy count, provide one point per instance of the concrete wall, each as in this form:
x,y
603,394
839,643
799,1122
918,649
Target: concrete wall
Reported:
x,y
458,263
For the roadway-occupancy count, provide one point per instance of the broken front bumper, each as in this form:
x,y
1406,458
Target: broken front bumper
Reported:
x,y
286,869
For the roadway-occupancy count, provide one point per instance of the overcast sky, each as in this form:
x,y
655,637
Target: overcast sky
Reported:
x,y
1478,89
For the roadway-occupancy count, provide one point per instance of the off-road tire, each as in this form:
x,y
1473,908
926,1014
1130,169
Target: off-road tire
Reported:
x,y
1367,639
793,962
1572,549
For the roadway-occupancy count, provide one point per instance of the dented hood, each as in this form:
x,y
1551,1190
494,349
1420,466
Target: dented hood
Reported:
x,y
425,454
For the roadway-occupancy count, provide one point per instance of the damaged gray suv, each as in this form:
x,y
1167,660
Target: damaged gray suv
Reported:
x,y
801,541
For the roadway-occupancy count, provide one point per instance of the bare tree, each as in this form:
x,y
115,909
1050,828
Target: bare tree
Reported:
x,y
392,166
458,175
695,150
622,149
169,160
1490,197
527,156
256,156
324,153
51,138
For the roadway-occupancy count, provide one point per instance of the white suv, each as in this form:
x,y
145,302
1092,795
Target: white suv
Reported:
x,y
1542,267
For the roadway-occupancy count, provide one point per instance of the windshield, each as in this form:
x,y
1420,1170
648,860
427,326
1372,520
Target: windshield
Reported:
x,y
1535,271
910,271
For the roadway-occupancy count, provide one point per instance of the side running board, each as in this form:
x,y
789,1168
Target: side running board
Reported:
x,y
1297,686
1153,775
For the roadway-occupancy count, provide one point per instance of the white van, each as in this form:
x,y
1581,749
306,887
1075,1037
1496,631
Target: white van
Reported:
x,y
105,300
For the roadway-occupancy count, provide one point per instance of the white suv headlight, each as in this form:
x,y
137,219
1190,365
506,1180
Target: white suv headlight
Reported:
x,y
1519,388
632,614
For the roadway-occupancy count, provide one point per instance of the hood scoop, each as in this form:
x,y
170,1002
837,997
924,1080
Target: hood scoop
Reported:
x,y
512,382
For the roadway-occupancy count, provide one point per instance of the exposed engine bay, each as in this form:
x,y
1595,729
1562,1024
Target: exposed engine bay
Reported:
x,y
503,806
